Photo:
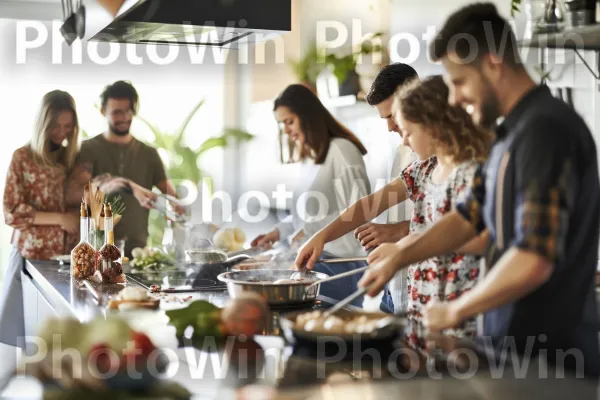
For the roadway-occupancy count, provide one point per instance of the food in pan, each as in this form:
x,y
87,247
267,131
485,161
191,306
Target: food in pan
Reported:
x,y
315,321
133,297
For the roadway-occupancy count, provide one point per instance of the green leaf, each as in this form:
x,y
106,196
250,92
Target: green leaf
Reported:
x,y
211,143
161,139
308,68
238,134
186,121
183,162
515,7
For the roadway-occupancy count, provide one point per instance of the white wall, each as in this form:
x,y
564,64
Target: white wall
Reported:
x,y
413,17
43,10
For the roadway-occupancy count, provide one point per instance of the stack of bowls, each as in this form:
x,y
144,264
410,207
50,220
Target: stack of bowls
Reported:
x,y
580,13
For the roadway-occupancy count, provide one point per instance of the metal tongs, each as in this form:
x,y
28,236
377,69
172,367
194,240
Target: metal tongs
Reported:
x,y
344,302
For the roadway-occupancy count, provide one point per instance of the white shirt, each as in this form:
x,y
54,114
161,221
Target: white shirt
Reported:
x,y
327,190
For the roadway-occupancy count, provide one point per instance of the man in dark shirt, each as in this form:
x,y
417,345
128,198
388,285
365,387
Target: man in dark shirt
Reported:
x,y
538,195
124,165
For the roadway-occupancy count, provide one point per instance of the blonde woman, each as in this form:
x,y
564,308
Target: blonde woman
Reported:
x,y
35,202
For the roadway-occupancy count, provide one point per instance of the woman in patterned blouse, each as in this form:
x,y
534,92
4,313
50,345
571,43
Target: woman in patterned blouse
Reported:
x,y
35,193
35,204
435,185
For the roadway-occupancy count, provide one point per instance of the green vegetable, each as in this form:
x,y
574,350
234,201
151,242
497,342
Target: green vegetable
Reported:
x,y
208,324
198,310
157,261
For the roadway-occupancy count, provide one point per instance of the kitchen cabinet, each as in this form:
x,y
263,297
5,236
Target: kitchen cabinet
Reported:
x,y
36,308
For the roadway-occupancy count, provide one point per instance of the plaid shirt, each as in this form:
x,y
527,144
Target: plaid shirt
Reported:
x,y
541,210
544,184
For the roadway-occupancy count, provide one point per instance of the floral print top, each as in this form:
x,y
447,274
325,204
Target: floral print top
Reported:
x,y
441,278
30,188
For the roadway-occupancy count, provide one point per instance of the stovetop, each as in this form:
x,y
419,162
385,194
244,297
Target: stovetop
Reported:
x,y
176,281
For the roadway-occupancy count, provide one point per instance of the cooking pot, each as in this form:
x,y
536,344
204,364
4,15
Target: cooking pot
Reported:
x,y
209,264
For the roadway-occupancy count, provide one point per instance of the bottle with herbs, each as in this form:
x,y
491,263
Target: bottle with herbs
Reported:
x,y
83,256
109,256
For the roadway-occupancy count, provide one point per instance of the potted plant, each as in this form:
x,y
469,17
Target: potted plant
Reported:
x,y
185,160
308,68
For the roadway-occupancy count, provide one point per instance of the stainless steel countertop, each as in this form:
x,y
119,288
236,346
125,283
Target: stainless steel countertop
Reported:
x,y
298,376
71,297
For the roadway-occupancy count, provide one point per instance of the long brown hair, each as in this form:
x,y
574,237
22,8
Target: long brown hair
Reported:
x,y
53,103
316,122
450,127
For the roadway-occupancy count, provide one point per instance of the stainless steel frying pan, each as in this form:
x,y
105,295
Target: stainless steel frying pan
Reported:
x,y
283,294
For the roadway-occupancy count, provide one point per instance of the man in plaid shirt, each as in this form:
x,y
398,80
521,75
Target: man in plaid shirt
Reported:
x,y
538,196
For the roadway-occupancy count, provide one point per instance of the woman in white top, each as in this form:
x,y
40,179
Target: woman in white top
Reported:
x,y
333,173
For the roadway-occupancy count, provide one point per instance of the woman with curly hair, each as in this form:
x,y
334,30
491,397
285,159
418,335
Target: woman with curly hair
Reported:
x,y
449,148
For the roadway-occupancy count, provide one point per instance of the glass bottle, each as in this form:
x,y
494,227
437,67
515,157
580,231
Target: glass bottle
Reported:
x,y
109,256
83,256
553,16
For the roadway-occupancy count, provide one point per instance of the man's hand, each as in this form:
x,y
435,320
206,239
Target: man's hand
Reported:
x,y
439,316
384,262
179,209
145,197
371,235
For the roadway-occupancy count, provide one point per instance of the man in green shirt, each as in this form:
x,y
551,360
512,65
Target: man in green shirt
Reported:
x,y
123,165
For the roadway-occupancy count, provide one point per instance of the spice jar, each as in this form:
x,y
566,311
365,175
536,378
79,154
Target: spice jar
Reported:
x,y
109,256
83,256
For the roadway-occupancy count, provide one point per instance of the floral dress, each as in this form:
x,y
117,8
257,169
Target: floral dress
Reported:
x,y
29,188
442,278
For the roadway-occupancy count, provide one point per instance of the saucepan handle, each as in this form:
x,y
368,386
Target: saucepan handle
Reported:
x,y
235,260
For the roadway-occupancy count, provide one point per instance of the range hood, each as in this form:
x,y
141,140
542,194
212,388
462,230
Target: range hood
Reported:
x,y
222,23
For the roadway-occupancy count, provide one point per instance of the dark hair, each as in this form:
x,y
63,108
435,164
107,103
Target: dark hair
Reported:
x,y
317,123
388,80
477,25
121,90
450,127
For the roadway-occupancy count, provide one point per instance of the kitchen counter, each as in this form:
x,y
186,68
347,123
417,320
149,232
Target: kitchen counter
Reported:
x,y
459,371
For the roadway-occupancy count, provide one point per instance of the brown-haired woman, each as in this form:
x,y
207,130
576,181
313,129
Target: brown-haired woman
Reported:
x,y
35,202
449,148
333,174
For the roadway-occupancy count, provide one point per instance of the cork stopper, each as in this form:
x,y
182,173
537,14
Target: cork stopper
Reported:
x,y
107,210
83,210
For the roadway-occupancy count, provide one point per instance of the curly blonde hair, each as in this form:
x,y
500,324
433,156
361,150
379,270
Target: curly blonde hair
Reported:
x,y
451,128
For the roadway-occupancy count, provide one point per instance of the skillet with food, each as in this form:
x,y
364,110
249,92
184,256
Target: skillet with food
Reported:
x,y
310,326
277,286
